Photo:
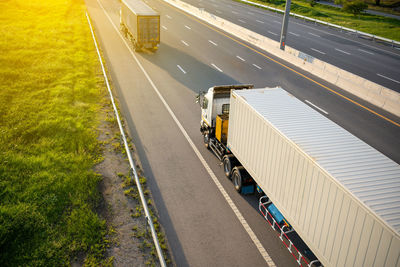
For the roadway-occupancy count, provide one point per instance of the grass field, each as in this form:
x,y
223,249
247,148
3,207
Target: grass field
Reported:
x,y
377,25
50,96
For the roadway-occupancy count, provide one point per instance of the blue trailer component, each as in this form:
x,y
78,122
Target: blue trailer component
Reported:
x,y
247,189
276,214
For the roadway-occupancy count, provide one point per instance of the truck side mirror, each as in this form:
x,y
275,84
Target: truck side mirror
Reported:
x,y
199,98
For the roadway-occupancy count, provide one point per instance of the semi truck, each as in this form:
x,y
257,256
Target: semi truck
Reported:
x,y
340,195
140,24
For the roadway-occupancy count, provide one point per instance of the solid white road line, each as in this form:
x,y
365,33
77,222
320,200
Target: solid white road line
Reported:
x,y
212,42
295,34
272,33
313,34
228,199
187,27
258,67
362,50
347,53
242,21
383,76
259,21
212,64
320,109
179,67
165,28
313,49
183,42
240,58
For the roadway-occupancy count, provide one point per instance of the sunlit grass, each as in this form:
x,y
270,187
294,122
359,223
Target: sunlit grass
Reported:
x,y
50,95
377,25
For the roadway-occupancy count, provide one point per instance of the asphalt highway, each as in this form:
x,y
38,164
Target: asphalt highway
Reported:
x,y
376,62
206,222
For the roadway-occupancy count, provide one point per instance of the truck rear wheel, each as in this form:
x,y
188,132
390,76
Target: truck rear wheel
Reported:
x,y
229,162
237,178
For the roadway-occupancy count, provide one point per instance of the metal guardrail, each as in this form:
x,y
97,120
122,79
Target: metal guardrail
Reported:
x,y
358,33
300,259
128,153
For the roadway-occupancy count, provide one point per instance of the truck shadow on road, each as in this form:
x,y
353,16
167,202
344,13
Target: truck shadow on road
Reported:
x,y
194,74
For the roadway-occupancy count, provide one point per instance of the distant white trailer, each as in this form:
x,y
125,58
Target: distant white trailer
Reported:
x,y
141,24
340,195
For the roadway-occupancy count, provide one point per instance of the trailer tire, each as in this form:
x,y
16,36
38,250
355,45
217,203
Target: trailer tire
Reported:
x,y
229,162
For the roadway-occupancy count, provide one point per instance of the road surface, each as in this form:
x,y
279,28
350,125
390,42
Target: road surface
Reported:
x,y
207,223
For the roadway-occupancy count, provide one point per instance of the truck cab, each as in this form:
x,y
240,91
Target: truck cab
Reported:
x,y
215,116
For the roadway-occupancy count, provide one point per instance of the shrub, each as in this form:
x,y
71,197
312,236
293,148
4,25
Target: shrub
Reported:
x,y
355,7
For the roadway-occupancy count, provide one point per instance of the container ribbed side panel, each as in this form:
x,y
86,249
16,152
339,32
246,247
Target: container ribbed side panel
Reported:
x,y
341,195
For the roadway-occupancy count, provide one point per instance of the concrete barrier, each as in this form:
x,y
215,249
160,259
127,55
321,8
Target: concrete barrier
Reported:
x,y
374,93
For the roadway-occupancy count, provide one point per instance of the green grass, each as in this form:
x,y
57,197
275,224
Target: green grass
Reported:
x,y
377,25
50,96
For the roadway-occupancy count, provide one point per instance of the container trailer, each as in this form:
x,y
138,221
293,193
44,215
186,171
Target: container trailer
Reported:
x,y
140,24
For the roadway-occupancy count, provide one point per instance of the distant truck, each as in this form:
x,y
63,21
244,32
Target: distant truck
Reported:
x,y
140,24
340,195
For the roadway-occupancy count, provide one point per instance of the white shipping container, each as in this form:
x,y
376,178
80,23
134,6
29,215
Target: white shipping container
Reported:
x,y
340,195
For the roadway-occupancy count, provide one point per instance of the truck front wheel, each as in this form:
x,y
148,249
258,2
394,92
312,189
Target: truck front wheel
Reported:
x,y
206,140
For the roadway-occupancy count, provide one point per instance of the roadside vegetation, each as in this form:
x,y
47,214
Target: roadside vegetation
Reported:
x,y
377,25
51,92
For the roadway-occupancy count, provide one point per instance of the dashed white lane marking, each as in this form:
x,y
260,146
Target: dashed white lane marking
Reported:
x,y
212,64
234,12
275,21
313,34
212,42
344,52
320,109
259,21
240,58
168,16
165,28
272,33
219,12
258,67
179,67
316,50
242,21
250,13
295,34
383,76
228,199
183,42
187,27
365,51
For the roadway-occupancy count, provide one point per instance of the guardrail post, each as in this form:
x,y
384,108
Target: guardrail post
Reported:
x,y
299,260
281,236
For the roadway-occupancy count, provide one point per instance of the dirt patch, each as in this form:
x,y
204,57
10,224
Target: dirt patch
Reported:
x,y
130,243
